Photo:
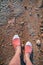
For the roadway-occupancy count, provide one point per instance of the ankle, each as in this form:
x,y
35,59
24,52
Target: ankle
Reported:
x,y
27,55
18,50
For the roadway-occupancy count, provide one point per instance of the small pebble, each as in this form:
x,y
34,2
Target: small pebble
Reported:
x,y
3,46
22,23
37,9
41,16
10,44
30,14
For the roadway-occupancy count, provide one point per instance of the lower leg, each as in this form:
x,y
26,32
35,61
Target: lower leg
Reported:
x,y
16,58
27,59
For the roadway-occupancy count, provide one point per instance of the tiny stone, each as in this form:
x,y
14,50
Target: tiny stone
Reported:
x,y
41,16
38,41
2,46
22,23
10,44
37,9
30,14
